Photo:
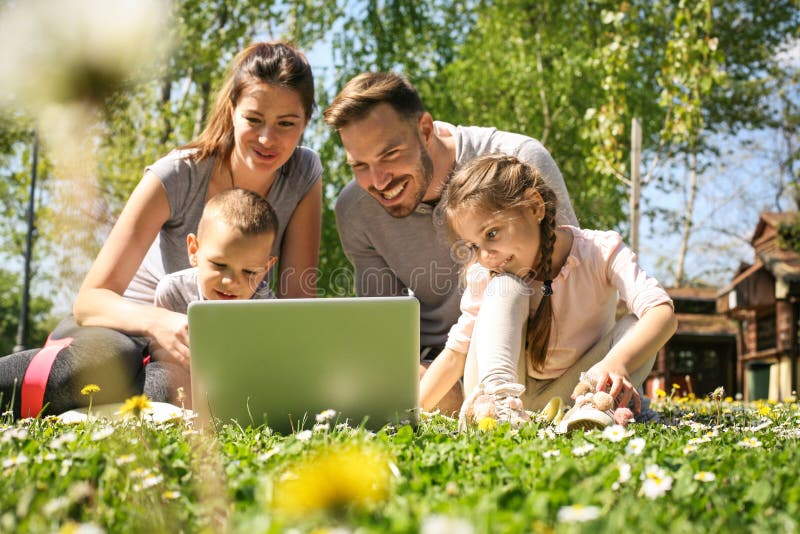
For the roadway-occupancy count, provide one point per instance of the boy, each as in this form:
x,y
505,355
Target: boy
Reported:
x,y
230,254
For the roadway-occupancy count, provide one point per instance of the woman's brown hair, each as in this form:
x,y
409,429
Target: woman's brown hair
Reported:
x,y
496,183
275,63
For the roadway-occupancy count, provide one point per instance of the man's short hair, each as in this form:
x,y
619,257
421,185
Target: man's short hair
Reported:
x,y
365,91
244,210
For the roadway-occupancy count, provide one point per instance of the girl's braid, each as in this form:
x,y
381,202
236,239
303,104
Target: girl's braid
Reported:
x,y
539,325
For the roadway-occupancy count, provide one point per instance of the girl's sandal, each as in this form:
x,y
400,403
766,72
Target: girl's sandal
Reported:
x,y
501,403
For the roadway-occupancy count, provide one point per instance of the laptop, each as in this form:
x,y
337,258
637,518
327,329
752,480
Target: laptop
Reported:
x,y
280,362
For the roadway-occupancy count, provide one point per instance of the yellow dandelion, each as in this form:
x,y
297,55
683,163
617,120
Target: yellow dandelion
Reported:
x,y
675,387
487,424
661,393
136,406
333,480
90,389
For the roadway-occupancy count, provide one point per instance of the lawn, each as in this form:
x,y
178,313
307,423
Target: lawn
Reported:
x,y
710,466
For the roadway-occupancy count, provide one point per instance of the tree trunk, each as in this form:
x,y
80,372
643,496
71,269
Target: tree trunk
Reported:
x,y
200,115
687,219
542,94
166,95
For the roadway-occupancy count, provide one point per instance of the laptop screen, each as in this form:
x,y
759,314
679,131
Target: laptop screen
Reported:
x,y
280,362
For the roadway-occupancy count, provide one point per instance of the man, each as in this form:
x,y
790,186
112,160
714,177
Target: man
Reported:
x,y
387,217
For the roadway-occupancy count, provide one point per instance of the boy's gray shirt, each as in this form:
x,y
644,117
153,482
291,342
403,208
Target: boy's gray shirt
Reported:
x,y
185,181
177,290
391,255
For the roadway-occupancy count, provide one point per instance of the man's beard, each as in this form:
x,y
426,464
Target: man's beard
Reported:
x,y
425,174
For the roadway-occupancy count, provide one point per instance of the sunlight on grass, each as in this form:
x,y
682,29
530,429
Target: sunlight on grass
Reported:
x,y
701,469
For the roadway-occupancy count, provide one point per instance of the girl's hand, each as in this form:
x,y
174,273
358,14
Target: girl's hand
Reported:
x,y
616,381
169,338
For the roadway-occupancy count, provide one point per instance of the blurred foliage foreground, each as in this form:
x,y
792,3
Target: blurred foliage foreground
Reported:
x,y
709,465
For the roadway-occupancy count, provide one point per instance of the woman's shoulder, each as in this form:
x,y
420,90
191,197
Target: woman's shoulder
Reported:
x,y
180,161
304,162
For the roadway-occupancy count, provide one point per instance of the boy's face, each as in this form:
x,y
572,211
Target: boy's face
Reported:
x,y
230,264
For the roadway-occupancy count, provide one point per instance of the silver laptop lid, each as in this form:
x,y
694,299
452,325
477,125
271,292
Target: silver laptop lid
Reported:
x,y
280,362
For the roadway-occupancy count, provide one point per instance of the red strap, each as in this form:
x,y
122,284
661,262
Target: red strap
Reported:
x,y
35,380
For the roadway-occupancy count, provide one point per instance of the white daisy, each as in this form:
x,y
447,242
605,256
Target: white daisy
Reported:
x,y
325,415
67,437
546,433
269,454
750,443
690,448
635,446
615,433
583,450
303,435
14,461
705,476
578,513
551,453
656,487
624,472
441,524
125,459
102,433
170,495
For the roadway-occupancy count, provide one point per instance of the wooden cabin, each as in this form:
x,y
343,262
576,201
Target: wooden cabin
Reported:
x,y
701,356
764,299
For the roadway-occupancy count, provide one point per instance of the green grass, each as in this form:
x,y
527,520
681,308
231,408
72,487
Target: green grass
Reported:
x,y
132,477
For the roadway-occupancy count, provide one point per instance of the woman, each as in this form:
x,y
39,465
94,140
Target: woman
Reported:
x,y
250,142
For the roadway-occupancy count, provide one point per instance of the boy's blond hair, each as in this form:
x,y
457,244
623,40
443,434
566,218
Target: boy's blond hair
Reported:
x,y
244,210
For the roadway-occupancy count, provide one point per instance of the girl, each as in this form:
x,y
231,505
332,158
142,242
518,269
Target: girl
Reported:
x,y
250,142
502,209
